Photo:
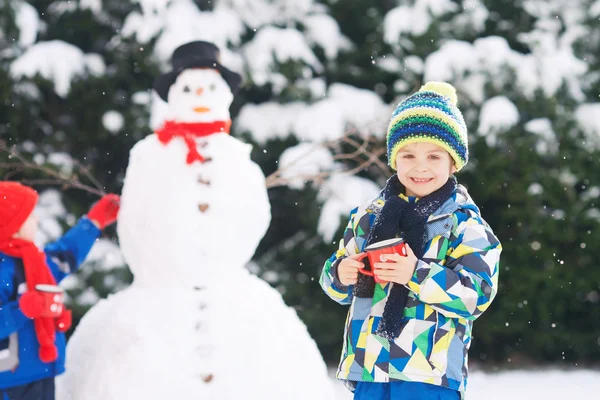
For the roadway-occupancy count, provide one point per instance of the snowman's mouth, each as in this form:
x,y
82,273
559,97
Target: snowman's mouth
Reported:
x,y
201,109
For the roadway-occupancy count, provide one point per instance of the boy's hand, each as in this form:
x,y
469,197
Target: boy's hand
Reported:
x,y
397,269
348,270
105,211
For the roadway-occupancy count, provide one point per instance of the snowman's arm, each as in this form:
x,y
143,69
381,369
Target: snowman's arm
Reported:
x,y
66,254
329,278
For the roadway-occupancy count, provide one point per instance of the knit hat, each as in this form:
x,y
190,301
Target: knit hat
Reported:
x,y
430,115
17,202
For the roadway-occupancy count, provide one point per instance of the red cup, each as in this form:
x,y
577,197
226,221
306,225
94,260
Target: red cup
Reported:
x,y
54,298
374,251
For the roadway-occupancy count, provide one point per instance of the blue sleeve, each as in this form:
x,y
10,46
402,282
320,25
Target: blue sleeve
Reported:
x,y
11,318
66,254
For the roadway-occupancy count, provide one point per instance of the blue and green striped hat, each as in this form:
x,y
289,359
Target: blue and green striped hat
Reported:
x,y
430,115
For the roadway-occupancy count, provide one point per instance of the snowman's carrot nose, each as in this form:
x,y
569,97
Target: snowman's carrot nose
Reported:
x,y
201,109
199,91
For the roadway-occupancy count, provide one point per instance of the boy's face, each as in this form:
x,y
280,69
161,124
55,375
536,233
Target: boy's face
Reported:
x,y
423,168
28,229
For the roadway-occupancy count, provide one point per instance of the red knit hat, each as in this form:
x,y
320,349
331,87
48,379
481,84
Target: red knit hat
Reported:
x,y
17,202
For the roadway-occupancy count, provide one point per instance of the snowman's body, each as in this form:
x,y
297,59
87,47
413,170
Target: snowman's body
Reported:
x,y
195,324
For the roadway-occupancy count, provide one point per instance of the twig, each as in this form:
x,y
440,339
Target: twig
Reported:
x,y
71,181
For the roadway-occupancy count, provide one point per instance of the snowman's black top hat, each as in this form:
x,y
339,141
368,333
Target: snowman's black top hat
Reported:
x,y
195,55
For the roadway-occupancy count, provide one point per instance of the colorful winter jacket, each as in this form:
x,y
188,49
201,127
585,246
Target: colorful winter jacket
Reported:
x,y
19,361
454,283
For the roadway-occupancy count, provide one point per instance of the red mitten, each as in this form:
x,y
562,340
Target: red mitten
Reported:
x,y
105,211
63,323
32,304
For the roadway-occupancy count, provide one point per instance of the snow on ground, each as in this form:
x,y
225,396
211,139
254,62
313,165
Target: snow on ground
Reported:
x,y
524,385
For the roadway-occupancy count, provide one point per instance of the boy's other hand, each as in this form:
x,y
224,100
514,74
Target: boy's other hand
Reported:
x,y
348,270
396,268
105,211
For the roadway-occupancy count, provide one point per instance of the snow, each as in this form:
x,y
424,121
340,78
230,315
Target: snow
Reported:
x,y
550,64
340,194
547,142
414,20
48,209
389,64
586,116
323,30
594,11
273,45
551,384
106,254
304,160
317,87
414,64
269,120
152,6
88,297
453,58
473,16
93,5
535,189
183,22
142,27
28,22
113,121
63,161
345,107
497,115
57,61
591,193
257,13
142,98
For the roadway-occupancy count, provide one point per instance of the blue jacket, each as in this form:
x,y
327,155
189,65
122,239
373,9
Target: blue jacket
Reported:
x,y
19,361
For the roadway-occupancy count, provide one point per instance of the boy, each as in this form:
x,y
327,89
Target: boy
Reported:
x,y
32,315
408,337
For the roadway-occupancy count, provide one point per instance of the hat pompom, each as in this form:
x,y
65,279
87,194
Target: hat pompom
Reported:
x,y
442,88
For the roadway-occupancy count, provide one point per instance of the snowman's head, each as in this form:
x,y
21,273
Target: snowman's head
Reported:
x,y
199,95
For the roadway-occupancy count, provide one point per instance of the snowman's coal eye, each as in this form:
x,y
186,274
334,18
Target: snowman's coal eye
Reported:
x,y
212,87
186,89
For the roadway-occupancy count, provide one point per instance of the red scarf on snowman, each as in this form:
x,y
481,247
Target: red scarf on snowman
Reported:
x,y
189,132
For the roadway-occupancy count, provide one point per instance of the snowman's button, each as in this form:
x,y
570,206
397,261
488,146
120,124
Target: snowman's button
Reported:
x,y
208,159
203,181
54,307
203,207
208,378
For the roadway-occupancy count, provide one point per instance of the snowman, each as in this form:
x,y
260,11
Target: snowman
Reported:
x,y
194,324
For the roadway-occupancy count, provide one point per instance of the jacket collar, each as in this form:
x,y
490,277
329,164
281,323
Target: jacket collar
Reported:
x,y
459,200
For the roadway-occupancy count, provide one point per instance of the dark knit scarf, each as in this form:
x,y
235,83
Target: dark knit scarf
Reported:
x,y
400,218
